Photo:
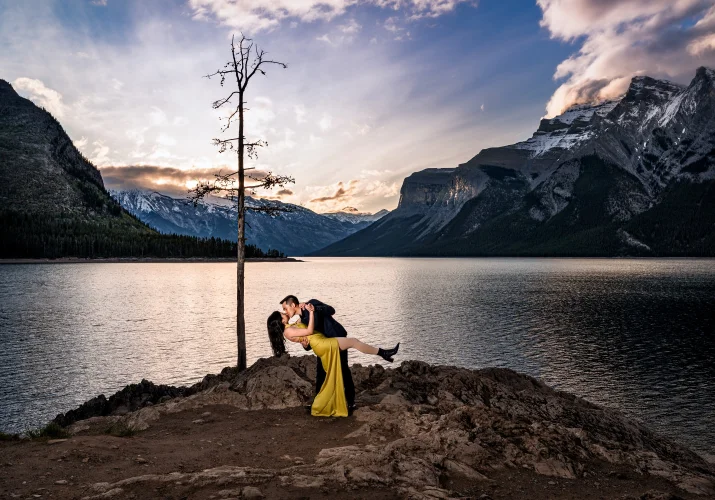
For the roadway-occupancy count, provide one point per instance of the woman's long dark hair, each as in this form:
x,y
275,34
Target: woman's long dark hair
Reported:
x,y
275,333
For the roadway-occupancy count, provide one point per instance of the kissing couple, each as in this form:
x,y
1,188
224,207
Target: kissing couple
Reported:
x,y
312,325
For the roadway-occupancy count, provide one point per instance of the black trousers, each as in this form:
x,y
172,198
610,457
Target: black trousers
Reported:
x,y
347,378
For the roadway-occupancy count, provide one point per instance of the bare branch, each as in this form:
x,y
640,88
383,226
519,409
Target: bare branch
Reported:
x,y
258,65
217,104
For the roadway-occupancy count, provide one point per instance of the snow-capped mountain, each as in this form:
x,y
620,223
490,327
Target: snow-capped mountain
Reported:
x,y
631,176
297,232
354,216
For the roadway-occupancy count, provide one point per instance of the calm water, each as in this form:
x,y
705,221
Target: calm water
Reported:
x,y
636,335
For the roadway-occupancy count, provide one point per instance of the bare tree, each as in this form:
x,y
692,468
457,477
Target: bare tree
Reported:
x,y
246,61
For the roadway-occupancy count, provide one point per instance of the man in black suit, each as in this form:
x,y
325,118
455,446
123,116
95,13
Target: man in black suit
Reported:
x,y
325,324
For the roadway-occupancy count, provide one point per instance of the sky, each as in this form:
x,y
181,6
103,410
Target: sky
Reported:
x,y
374,90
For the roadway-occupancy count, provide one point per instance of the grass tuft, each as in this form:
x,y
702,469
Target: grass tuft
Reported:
x,y
50,431
9,437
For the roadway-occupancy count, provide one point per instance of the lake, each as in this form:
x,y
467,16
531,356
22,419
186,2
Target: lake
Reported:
x,y
637,335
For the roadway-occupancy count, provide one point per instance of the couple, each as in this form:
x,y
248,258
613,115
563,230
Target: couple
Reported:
x,y
312,325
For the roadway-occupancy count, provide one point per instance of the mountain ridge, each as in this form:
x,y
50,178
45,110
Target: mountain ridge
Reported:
x,y
578,186
296,232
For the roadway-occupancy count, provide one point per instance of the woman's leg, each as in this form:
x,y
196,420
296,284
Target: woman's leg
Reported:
x,y
349,342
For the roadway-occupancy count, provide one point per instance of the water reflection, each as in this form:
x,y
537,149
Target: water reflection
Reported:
x,y
636,335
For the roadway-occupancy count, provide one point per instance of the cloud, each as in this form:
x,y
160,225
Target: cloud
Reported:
x,y
299,113
157,116
167,180
99,154
288,142
391,25
326,122
344,33
258,15
165,140
280,195
354,193
41,95
136,135
117,84
341,193
375,173
702,45
259,114
624,38
363,129
351,27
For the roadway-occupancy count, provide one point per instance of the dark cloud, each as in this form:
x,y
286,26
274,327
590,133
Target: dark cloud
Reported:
x,y
341,193
168,180
277,196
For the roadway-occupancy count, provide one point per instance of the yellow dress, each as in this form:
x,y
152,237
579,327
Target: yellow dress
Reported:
x,y
330,401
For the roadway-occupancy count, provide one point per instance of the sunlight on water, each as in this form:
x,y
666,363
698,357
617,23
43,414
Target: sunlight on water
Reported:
x,y
636,335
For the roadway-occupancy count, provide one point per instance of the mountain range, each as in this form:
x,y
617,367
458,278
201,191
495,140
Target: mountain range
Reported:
x,y
630,176
297,231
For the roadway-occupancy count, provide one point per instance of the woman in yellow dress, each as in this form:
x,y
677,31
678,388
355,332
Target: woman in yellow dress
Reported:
x,y
330,401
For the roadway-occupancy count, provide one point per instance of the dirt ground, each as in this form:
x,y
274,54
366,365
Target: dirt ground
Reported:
x,y
214,436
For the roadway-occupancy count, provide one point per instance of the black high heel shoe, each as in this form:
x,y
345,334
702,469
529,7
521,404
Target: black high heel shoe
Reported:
x,y
387,354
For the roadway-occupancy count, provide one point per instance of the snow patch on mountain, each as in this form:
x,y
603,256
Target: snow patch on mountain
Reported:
x,y
567,130
353,216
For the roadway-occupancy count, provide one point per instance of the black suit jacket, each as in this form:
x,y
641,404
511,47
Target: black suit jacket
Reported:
x,y
324,321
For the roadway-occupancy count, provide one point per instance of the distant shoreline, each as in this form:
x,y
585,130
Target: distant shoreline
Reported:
x,y
76,260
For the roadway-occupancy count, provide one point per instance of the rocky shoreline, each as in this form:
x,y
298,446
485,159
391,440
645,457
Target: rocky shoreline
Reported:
x,y
420,431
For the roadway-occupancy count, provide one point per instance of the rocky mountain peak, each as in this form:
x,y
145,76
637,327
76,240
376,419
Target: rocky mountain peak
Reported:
x,y
578,114
6,90
701,73
704,80
645,88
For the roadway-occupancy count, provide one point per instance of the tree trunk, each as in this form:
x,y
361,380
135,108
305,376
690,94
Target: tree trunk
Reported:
x,y
240,266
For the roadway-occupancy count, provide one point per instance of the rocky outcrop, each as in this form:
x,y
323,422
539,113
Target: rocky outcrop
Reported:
x,y
421,190
131,398
422,423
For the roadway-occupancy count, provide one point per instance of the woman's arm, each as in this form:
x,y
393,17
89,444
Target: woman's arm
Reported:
x,y
311,323
292,333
